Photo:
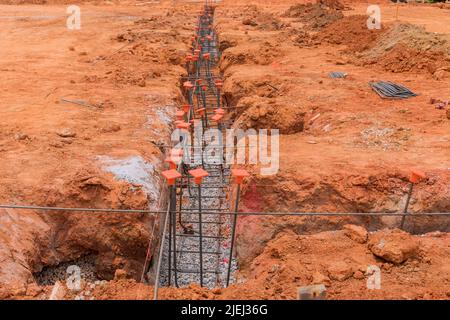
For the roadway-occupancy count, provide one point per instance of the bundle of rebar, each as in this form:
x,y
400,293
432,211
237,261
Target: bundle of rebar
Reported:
x,y
337,74
387,89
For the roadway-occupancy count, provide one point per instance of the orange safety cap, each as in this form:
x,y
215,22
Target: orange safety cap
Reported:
x,y
188,85
171,176
416,176
239,175
173,162
179,114
201,111
186,108
198,175
218,83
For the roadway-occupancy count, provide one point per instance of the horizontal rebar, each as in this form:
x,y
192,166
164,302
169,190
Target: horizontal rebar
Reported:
x,y
279,213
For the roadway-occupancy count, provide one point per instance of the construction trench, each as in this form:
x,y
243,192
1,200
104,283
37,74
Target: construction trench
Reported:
x,y
200,225
210,230
197,247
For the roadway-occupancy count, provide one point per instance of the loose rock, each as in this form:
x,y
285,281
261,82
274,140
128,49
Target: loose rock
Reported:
x,y
356,233
66,133
340,271
394,246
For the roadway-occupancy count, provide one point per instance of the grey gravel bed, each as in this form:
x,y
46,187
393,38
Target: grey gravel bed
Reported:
x,y
211,262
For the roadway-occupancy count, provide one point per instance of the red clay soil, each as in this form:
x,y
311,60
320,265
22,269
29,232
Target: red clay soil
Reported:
x,y
55,153
316,15
411,267
342,147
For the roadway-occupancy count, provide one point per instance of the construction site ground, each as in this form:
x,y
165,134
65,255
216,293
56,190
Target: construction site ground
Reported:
x,y
85,115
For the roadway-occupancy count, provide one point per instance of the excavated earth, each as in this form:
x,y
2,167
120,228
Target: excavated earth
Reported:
x,y
342,147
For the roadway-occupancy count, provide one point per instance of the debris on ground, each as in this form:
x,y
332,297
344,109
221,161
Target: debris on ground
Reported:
x,y
387,89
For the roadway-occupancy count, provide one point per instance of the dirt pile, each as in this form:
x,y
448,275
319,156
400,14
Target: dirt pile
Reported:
x,y
254,53
396,48
407,47
412,35
261,20
351,31
302,38
261,113
317,15
403,58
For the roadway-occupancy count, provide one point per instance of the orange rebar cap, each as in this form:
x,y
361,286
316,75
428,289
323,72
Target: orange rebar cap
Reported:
x,y
186,108
198,175
179,114
188,85
416,176
173,162
171,176
218,83
239,175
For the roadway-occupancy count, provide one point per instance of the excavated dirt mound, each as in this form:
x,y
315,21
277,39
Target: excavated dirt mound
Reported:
x,y
351,31
301,38
315,16
407,47
263,113
403,59
254,53
412,35
395,48
261,20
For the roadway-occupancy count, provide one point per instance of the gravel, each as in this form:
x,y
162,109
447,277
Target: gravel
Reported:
x,y
51,274
217,263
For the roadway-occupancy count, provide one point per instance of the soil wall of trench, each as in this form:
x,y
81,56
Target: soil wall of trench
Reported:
x,y
296,190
